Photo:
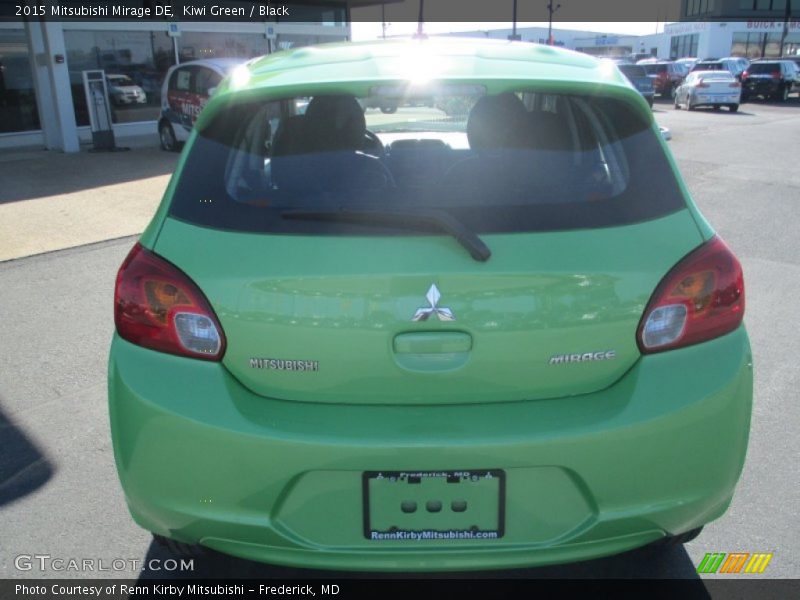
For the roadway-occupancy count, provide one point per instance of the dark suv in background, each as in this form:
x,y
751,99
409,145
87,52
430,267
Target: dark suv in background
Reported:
x,y
734,65
666,76
774,79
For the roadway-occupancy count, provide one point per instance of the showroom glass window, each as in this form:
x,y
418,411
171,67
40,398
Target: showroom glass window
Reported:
x,y
135,63
684,45
18,110
198,45
767,45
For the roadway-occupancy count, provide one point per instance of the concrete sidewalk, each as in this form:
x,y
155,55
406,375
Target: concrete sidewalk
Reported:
x,y
51,201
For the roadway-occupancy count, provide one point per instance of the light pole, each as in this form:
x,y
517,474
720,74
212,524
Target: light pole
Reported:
x,y
786,15
514,37
421,21
551,10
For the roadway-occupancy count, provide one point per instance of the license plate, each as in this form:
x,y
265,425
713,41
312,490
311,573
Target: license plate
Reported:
x,y
434,505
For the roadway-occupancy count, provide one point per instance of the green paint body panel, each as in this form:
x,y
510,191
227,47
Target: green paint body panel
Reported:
x,y
203,459
343,301
598,456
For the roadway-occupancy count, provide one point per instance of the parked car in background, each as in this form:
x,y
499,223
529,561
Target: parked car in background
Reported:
x,y
774,79
387,106
709,88
687,62
666,76
795,59
185,91
733,65
637,75
122,90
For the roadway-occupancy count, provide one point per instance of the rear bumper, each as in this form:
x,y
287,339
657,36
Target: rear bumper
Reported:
x,y
765,87
698,99
202,459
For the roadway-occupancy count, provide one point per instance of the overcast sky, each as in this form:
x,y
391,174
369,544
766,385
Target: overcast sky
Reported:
x,y
372,30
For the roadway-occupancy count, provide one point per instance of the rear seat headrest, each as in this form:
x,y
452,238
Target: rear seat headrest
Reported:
x,y
497,122
334,123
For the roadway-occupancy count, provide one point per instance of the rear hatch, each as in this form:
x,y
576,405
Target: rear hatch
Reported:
x,y
718,87
762,75
319,310
331,319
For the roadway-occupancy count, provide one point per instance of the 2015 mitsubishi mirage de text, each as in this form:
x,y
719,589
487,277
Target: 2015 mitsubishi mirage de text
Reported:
x,y
489,329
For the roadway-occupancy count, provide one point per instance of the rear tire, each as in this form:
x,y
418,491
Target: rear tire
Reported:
x,y
180,549
717,107
689,105
733,107
388,110
166,136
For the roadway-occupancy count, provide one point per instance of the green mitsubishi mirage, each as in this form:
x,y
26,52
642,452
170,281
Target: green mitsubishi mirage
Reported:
x,y
487,329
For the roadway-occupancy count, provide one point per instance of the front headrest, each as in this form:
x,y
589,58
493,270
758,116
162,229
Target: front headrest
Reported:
x,y
497,122
334,123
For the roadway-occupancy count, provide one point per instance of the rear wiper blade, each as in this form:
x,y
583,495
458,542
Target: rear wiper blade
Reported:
x,y
438,219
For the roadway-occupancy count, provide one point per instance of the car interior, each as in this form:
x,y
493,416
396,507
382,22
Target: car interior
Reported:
x,y
505,146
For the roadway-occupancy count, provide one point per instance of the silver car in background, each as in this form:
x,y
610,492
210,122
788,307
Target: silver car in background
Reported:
x,y
709,88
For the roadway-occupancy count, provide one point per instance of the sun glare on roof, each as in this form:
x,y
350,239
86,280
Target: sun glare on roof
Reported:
x,y
418,65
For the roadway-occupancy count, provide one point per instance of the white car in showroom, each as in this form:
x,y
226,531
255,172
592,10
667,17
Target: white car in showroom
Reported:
x,y
123,90
709,88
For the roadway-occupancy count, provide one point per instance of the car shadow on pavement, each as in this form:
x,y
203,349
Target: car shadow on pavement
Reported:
x,y
649,562
23,468
27,175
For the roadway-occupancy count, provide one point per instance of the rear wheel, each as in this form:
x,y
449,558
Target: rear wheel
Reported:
x,y
388,110
717,107
689,105
167,137
733,107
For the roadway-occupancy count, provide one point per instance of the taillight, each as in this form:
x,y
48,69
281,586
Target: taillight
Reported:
x,y
745,74
157,306
701,298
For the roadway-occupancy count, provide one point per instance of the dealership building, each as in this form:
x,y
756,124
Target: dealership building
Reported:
x,y
43,104
42,98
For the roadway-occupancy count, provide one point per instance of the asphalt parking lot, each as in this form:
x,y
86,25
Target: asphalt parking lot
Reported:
x,y
59,493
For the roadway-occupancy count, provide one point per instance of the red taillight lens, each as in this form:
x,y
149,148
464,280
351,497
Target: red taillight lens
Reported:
x,y
701,298
157,306
745,74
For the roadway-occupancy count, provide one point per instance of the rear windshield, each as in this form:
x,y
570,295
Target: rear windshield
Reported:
x,y
633,71
764,67
511,162
708,66
655,69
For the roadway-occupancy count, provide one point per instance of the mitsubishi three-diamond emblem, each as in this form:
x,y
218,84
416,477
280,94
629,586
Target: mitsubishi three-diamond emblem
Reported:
x,y
433,296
